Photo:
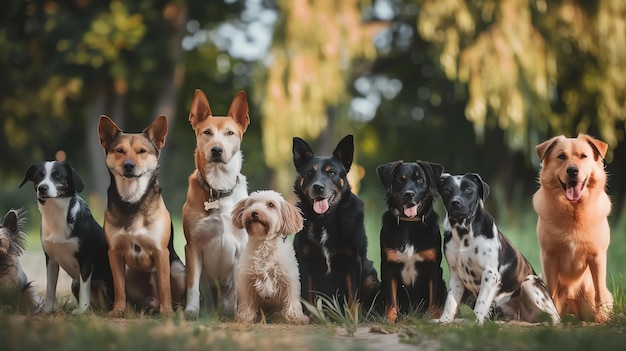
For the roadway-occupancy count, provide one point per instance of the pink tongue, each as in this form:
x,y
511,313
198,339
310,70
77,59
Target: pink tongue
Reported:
x,y
410,211
320,206
573,192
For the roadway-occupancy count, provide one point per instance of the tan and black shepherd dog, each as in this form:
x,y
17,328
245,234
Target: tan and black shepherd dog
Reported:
x,y
146,270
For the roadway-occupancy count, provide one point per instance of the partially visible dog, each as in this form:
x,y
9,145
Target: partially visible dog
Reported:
x,y
268,270
410,240
215,186
332,247
137,224
573,230
70,236
14,284
483,262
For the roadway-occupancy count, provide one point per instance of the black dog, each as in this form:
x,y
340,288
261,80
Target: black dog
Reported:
x,y
71,237
483,262
410,240
332,247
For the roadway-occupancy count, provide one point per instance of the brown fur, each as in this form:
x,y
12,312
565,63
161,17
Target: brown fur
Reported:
x,y
137,224
574,235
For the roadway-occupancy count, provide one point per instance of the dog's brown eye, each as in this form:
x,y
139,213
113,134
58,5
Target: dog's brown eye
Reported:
x,y
119,150
332,173
583,156
230,132
207,132
270,204
561,157
142,151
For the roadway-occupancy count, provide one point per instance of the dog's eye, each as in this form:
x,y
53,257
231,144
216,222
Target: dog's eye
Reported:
x,y
445,192
56,175
561,157
583,156
230,132
420,180
400,180
142,151
332,172
310,173
270,205
208,132
468,190
119,150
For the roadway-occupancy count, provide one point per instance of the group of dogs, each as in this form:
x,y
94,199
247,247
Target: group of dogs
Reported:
x,y
237,258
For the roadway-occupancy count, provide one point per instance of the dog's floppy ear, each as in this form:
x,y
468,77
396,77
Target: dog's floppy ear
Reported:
x,y
302,153
345,151
239,110
433,171
483,187
157,132
28,176
75,179
292,219
599,147
200,108
543,149
385,173
107,130
237,213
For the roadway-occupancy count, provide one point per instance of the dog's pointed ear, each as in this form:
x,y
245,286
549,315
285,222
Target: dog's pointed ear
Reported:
x,y
385,173
28,176
200,108
483,186
292,219
157,132
302,153
599,147
239,110
543,149
107,130
345,151
76,181
10,221
237,213
433,171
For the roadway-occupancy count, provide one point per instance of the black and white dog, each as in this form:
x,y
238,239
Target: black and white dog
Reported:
x,y
484,265
71,237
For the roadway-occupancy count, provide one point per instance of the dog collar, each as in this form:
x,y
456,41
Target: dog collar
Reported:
x,y
414,219
214,194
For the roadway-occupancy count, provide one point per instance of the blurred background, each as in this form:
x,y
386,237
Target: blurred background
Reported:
x,y
471,84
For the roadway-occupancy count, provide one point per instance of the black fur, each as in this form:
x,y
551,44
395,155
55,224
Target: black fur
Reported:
x,y
339,231
411,185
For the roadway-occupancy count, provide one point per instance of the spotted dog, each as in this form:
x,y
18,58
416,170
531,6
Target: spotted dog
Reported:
x,y
483,263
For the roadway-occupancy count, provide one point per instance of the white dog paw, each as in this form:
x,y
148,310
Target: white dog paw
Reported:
x,y
191,314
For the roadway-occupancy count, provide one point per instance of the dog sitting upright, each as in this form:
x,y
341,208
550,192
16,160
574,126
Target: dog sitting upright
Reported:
x,y
268,270
332,247
14,284
215,186
71,237
137,224
483,263
410,240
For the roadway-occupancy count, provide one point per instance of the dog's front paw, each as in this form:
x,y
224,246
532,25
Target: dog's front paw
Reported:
x,y
191,314
80,310
116,313
301,319
392,314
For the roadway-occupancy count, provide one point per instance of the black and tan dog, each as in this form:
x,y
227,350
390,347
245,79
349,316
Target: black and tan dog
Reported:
x,y
410,240
137,224
484,265
70,236
332,247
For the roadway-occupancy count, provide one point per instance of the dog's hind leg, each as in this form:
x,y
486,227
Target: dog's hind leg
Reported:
x,y
535,300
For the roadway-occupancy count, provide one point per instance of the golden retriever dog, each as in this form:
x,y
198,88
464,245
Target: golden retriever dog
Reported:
x,y
572,228
268,270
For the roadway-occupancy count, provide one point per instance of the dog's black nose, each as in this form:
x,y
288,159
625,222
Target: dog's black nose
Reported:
x,y
318,187
455,203
42,189
216,151
409,195
572,171
129,165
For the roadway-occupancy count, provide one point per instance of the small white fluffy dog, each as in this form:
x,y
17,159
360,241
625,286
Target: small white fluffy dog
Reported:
x,y
268,269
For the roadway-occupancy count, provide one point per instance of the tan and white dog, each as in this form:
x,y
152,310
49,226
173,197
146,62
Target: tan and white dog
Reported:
x,y
216,185
268,272
137,224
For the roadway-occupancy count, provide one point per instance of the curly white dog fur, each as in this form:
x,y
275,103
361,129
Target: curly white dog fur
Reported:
x,y
268,270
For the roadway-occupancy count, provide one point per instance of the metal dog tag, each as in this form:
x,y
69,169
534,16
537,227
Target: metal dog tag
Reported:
x,y
213,205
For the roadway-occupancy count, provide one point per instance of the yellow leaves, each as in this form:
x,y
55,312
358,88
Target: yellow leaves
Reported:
x,y
110,33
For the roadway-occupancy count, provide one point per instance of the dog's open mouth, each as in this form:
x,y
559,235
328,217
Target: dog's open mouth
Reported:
x,y
410,209
573,189
321,205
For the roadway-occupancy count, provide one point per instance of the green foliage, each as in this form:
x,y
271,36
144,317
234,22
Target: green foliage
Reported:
x,y
328,310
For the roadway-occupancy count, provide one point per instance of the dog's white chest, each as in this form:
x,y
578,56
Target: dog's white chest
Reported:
x,y
408,258
469,256
63,253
